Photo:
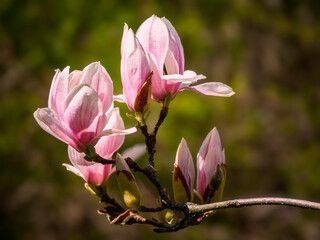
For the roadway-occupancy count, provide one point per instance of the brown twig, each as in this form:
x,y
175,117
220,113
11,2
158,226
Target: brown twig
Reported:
x,y
238,203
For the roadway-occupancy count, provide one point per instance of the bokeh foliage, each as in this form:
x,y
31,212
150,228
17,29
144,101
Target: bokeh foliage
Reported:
x,y
268,51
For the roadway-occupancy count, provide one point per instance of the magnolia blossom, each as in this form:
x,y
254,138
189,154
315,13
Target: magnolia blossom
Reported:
x,y
183,174
78,105
163,45
210,156
135,72
96,173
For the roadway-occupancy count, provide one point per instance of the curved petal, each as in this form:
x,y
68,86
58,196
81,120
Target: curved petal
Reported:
x,y
93,173
158,91
154,37
209,155
83,111
74,78
185,162
172,68
211,140
73,169
187,77
212,89
107,145
51,123
124,38
119,98
59,90
98,78
171,64
108,132
175,45
135,71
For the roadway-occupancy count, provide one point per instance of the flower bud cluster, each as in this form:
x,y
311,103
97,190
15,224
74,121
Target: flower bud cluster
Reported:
x,y
211,171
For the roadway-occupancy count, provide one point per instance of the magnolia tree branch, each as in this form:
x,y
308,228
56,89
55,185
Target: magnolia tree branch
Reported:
x,y
151,138
191,214
238,203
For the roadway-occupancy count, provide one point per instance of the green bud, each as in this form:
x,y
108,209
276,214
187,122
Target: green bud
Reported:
x,y
180,188
217,183
127,184
166,215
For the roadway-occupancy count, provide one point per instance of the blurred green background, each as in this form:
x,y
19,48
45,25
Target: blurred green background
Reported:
x,y
268,51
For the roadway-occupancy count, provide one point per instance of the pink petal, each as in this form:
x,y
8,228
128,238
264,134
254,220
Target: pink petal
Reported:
x,y
185,162
201,176
51,123
212,89
74,78
73,169
154,37
93,173
172,68
135,71
211,140
83,111
59,91
107,145
175,45
171,64
98,78
108,132
124,38
119,98
213,158
209,155
187,77
158,91
128,43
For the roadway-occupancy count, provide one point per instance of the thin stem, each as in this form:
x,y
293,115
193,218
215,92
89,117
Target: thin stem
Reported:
x,y
150,172
163,113
238,203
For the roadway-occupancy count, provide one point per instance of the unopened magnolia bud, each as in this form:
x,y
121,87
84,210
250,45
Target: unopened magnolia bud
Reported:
x,y
127,184
166,215
183,174
211,164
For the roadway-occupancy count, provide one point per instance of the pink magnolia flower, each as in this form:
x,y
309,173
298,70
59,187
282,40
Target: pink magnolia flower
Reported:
x,y
183,174
166,56
94,173
135,72
77,106
210,157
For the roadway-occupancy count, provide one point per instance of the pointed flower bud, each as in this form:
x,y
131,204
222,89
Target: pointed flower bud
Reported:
x,y
183,174
135,73
127,183
77,106
211,168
